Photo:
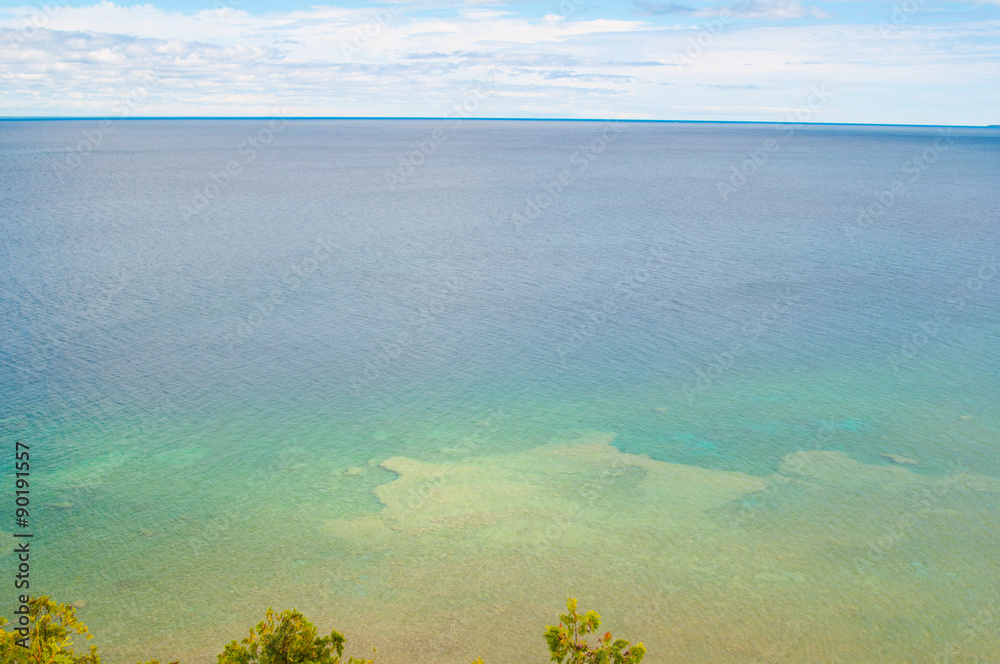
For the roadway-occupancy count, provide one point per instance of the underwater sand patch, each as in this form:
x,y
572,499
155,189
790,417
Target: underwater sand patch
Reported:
x,y
547,483
836,560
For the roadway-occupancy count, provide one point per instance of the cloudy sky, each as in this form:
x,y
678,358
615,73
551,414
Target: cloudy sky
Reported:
x,y
898,62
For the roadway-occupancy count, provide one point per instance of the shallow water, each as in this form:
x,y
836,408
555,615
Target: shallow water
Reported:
x,y
425,412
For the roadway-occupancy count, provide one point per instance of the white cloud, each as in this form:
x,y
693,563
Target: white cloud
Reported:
x,y
765,9
363,61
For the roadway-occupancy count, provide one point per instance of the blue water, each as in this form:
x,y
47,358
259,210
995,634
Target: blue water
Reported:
x,y
199,357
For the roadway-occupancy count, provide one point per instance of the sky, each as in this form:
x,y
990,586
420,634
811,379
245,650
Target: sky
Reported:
x,y
853,61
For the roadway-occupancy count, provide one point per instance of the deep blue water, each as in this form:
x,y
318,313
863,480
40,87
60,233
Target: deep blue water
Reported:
x,y
321,298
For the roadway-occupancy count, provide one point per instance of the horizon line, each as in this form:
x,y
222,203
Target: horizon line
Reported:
x,y
45,118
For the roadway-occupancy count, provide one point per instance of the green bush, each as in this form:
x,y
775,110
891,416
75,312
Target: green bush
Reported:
x,y
568,641
50,628
287,638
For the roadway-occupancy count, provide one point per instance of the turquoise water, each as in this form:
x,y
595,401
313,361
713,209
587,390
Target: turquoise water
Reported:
x,y
738,417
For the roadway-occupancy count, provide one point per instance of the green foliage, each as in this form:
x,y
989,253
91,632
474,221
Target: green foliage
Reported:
x,y
568,641
50,636
287,638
